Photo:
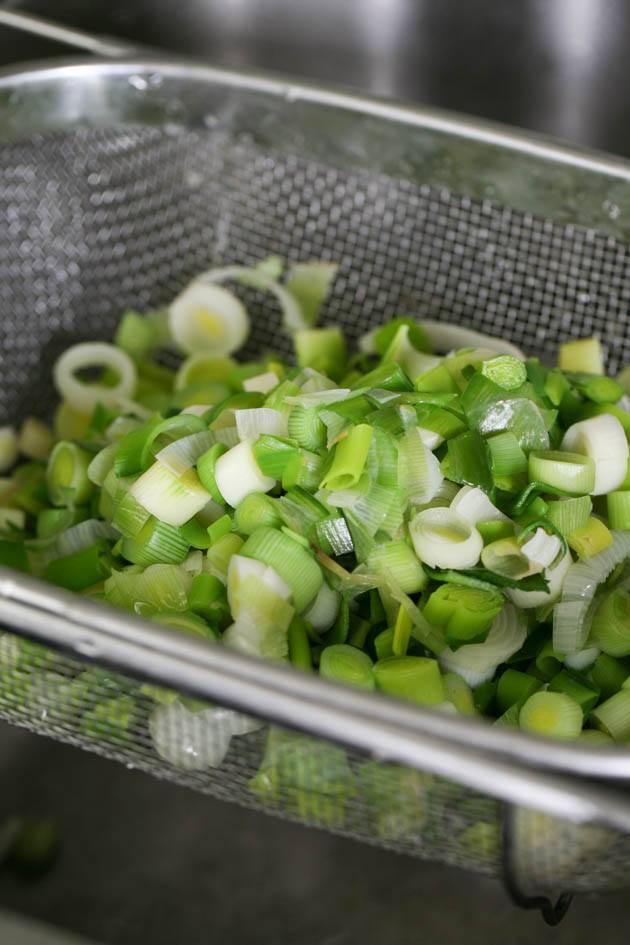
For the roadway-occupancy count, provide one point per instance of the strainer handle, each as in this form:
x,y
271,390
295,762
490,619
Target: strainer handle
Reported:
x,y
48,29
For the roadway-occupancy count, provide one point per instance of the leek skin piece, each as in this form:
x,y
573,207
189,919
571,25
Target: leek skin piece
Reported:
x,y
484,697
509,718
130,449
414,678
51,522
295,565
323,349
66,475
165,431
506,371
596,387
207,394
609,674
590,539
506,456
384,644
576,685
304,470
397,561
402,633
468,462
556,386
340,630
312,779
613,716
443,422
388,376
309,284
568,515
188,623
255,510
384,336
110,721
80,570
554,714
136,335
571,472
219,528
13,554
494,531
160,586
206,470
618,510
273,453
220,552
346,664
459,693
359,631
349,459
195,535
514,688
128,516
583,355
306,428
204,367
299,645
353,409
156,543
548,662
301,511
464,613
610,628
437,379
205,592
594,737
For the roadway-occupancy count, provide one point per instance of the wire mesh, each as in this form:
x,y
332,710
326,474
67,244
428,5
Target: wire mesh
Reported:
x,y
101,220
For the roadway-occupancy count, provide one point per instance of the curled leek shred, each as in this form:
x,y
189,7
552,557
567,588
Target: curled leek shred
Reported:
x,y
94,354
571,623
604,441
292,316
477,662
445,337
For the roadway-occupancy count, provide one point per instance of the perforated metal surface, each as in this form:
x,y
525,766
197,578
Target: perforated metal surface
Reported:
x,y
100,220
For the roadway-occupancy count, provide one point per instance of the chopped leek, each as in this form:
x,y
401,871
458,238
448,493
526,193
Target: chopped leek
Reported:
x,y
554,714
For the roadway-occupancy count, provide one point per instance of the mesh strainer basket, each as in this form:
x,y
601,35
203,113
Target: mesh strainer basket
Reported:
x,y
119,181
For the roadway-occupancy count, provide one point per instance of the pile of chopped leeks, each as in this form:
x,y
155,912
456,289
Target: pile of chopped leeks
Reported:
x,y
450,529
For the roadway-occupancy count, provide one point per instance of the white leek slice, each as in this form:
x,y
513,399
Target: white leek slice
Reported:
x,y
555,576
11,518
94,354
261,383
36,439
444,539
477,662
445,337
429,438
237,474
322,613
292,317
542,548
191,741
254,421
582,659
570,616
8,448
208,318
240,572
473,504
603,439
193,563
172,499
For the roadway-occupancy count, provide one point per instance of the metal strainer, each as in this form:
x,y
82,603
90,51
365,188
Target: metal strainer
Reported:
x,y
120,181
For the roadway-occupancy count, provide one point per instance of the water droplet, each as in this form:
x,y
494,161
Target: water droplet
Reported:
x,y
138,82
